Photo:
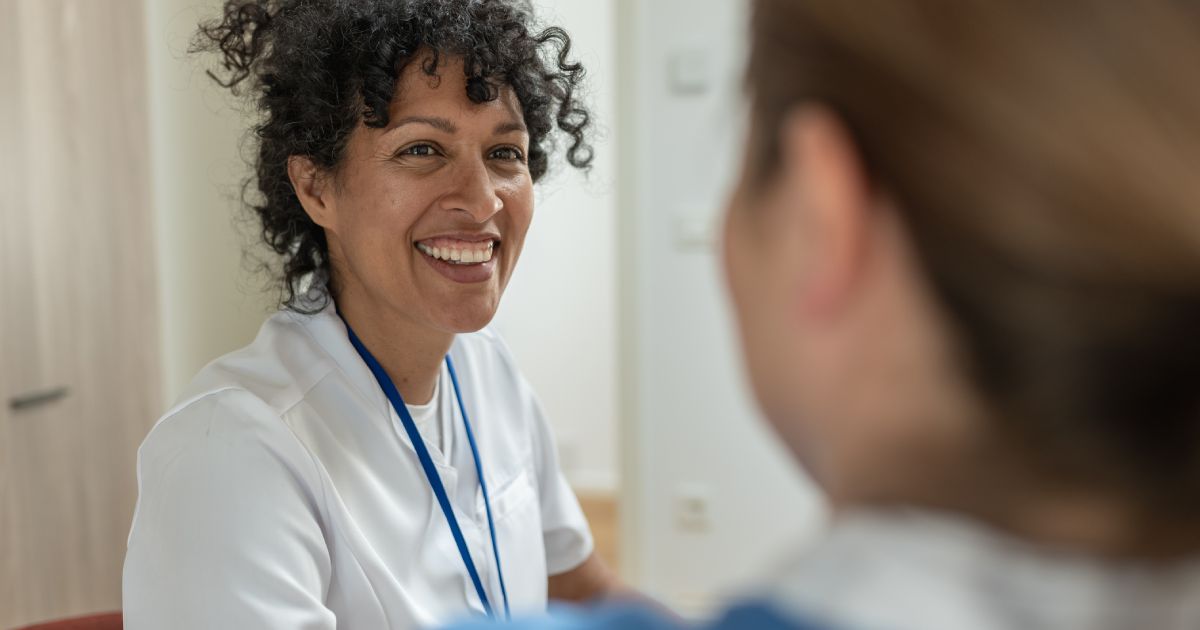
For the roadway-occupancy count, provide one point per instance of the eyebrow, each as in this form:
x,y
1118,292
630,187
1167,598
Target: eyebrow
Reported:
x,y
509,127
442,124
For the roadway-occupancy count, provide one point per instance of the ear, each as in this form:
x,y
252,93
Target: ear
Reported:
x,y
829,185
311,185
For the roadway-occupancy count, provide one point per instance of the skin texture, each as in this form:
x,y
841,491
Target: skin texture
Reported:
x,y
443,166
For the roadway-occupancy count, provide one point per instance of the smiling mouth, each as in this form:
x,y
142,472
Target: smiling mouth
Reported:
x,y
458,252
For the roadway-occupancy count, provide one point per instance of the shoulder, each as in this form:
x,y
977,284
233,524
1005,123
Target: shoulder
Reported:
x,y
241,397
221,414
225,460
226,433
283,361
233,411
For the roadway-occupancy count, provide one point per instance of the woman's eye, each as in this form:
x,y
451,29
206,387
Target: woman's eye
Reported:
x,y
418,150
508,153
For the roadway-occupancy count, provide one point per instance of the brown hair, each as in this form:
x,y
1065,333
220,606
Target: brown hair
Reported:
x,y
1045,157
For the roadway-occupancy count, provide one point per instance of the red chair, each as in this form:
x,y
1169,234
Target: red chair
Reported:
x,y
105,621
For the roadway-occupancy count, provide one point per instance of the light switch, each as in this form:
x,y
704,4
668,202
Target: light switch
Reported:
x,y
690,71
695,233
693,508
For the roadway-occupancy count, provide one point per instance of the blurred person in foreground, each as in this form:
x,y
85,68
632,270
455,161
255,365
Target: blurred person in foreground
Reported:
x,y
965,257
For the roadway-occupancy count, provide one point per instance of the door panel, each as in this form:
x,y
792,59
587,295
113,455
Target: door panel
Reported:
x,y
80,310
13,254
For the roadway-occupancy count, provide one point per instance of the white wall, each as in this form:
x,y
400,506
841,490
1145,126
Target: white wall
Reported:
x,y
709,497
209,304
559,314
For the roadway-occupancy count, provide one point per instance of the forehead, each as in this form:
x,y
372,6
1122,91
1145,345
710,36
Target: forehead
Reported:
x,y
444,93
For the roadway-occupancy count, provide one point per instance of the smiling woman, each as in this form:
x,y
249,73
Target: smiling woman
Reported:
x,y
374,459
448,177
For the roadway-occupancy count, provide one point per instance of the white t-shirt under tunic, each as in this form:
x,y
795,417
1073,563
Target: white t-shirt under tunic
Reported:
x,y
441,425
283,493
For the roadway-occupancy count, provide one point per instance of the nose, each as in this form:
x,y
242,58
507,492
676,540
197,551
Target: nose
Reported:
x,y
473,191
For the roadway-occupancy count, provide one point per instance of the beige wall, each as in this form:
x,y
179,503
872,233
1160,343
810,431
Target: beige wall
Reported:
x,y
209,303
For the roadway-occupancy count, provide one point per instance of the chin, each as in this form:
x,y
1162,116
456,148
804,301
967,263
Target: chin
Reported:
x,y
460,320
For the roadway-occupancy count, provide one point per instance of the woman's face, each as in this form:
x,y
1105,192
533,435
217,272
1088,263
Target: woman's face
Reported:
x,y
430,213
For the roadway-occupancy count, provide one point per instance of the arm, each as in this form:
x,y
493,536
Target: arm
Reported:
x,y
589,581
593,581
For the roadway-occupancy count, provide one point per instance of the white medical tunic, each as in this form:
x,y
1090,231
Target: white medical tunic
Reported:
x,y
282,492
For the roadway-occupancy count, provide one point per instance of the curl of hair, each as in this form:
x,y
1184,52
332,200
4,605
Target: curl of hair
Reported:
x,y
319,68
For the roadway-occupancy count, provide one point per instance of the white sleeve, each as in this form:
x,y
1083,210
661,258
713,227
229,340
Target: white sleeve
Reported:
x,y
227,531
565,531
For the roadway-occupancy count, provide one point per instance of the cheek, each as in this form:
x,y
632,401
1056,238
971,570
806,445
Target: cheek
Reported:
x,y
380,210
744,278
760,303
521,211
375,229
740,254
518,214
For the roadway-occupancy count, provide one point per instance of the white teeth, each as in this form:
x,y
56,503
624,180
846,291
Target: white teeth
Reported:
x,y
463,256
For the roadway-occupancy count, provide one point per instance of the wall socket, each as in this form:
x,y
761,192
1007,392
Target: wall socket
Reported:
x,y
568,452
693,508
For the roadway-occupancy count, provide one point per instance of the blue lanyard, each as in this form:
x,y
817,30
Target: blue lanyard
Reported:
x,y
431,474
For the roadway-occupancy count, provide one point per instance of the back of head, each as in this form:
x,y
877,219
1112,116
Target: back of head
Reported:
x,y
1045,157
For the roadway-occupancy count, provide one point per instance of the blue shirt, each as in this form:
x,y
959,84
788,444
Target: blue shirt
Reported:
x,y
753,615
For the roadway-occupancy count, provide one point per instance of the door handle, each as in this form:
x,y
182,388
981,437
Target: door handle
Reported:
x,y
33,400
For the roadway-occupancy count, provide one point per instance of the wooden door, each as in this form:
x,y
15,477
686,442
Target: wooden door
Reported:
x,y
80,314
12,254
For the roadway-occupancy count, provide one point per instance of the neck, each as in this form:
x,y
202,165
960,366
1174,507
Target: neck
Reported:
x,y
410,353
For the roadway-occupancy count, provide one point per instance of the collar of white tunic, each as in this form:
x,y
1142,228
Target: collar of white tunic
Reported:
x,y
902,570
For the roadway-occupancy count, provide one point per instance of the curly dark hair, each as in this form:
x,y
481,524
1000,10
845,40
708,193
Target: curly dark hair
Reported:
x,y
320,67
